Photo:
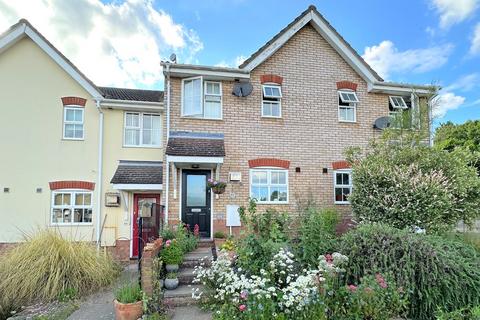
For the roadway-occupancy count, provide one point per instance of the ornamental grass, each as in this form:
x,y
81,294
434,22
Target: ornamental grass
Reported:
x,y
46,266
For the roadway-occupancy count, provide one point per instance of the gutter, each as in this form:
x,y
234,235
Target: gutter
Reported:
x,y
100,175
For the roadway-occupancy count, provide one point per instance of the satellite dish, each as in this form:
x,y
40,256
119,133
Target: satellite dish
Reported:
x,y
173,58
242,89
382,123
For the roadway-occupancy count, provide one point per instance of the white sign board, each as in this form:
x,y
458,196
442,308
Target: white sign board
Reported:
x,y
233,217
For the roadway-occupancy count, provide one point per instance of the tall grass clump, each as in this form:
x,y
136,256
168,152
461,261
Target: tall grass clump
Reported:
x,y
46,266
435,272
317,234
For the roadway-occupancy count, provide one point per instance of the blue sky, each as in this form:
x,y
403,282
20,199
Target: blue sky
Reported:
x,y
121,42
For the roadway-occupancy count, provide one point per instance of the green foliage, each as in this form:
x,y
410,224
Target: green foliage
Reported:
x,y
171,275
129,293
461,314
185,238
168,234
46,267
317,234
172,252
436,273
266,234
219,235
409,186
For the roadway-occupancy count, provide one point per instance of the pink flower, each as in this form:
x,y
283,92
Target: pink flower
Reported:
x,y
168,243
381,281
242,307
329,258
196,230
244,295
352,288
368,290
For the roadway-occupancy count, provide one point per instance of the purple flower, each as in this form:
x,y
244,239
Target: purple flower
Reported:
x,y
244,295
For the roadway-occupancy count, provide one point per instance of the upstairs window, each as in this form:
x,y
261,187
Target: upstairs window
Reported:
x,y
269,185
342,186
347,106
397,106
142,129
271,102
201,99
73,119
71,207
398,102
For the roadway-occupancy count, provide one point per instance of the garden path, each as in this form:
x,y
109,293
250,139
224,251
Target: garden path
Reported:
x,y
100,304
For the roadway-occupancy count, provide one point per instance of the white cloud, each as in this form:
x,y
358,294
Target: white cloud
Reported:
x,y
475,46
233,63
385,58
465,83
445,102
454,11
121,43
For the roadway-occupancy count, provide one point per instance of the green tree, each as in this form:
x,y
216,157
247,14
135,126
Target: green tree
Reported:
x,y
449,136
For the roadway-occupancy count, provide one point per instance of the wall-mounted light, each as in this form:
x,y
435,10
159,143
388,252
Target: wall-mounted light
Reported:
x,y
195,166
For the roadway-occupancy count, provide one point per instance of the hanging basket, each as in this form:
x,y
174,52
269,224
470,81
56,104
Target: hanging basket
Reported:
x,y
217,187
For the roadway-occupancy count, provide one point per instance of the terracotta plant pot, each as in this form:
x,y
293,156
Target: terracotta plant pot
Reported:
x,y
171,284
128,311
171,267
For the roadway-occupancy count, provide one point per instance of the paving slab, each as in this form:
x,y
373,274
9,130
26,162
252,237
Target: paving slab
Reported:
x,y
190,313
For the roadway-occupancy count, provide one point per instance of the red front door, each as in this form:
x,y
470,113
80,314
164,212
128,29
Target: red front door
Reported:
x,y
138,197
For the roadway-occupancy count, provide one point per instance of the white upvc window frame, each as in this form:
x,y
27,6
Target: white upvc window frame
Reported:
x,y
72,206
141,129
66,122
269,184
395,105
343,186
348,96
202,99
276,99
351,106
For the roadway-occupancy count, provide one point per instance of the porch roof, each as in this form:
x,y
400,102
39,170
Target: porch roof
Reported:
x,y
138,173
195,144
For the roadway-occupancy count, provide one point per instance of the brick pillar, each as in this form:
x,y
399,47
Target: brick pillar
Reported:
x,y
150,252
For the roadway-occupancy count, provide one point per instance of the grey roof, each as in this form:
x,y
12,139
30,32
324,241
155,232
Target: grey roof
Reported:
x,y
138,172
132,94
196,144
311,8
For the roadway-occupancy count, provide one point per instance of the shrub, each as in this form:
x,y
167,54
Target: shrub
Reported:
x,y
436,273
185,238
414,186
129,293
171,252
46,266
266,234
219,235
317,234
461,314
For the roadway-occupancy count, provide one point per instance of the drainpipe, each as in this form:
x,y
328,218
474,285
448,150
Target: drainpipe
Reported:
x,y
167,172
100,177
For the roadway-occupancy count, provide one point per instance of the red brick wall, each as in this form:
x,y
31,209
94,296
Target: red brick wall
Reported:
x,y
308,135
150,251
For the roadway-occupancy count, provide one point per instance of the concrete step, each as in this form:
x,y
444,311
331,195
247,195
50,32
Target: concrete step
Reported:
x,y
203,243
182,296
186,276
194,258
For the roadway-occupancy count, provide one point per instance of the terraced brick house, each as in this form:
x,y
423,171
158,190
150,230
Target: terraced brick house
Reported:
x,y
274,129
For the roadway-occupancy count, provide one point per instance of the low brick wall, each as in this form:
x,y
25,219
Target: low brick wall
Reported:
x,y
150,252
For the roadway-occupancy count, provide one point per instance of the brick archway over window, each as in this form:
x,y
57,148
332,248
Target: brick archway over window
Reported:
x,y
342,164
269,162
271,78
85,185
75,101
347,85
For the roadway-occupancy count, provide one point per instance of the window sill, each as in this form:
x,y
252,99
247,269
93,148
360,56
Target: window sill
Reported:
x,y
271,202
77,224
73,139
271,117
346,121
143,146
201,118
342,203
